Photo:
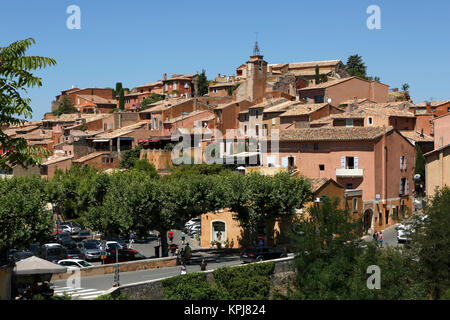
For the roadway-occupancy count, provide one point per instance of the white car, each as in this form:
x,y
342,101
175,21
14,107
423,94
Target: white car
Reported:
x,y
74,263
402,233
192,222
113,245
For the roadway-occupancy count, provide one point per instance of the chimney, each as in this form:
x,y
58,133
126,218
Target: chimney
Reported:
x,y
421,133
270,69
165,76
428,103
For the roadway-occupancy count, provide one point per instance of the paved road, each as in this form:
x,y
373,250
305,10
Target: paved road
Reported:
x,y
389,236
91,287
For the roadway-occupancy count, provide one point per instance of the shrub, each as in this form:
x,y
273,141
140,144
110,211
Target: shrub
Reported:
x,y
193,286
121,296
250,282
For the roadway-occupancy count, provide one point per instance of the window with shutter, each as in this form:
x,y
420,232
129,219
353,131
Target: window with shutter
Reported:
x,y
401,163
356,162
407,186
343,162
401,186
405,163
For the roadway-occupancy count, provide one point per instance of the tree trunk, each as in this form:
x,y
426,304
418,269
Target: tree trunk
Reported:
x,y
164,243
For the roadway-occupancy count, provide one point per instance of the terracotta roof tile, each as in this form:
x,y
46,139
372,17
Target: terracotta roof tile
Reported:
x,y
333,134
303,109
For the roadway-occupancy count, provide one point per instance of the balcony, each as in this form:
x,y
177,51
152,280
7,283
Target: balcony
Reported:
x,y
349,173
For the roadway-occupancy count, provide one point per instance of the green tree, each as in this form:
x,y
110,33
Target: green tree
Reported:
x,y
129,157
419,168
150,100
64,107
144,165
355,66
405,87
23,215
326,246
202,84
15,77
121,100
232,89
430,243
118,89
258,200
317,75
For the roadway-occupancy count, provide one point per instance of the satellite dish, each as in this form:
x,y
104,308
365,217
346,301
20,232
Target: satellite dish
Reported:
x,y
416,176
329,100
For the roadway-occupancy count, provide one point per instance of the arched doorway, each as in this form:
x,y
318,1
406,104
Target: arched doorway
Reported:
x,y
367,220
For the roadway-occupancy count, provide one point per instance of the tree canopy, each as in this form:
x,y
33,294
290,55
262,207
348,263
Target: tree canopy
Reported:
x,y
15,77
202,84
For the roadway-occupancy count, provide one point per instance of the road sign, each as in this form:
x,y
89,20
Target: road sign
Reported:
x,y
377,197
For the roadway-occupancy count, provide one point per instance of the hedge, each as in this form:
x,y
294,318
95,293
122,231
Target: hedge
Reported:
x,y
191,286
250,282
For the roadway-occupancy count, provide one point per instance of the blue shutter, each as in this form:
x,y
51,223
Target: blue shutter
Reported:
x,y
400,190
405,163
356,162
407,186
343,162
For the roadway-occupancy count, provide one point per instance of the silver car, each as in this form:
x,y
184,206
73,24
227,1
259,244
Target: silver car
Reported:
x,y
90,249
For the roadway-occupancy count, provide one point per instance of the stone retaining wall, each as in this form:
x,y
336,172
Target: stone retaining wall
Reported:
x,y
153,289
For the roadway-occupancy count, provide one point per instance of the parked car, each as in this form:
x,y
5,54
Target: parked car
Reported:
x,y
71,227
74,253
152,236
65,239
21,255
74,263
404,231
192,221
111,245
120,241
123,255
52,252
82,235
260,254
195,229
91,249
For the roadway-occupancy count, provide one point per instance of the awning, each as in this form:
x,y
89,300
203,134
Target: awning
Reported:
x,y
149,140
100,140
242,155
35,265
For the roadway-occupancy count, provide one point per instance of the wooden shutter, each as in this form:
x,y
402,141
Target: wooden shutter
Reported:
x,y
407,186
343,162
400,189
404,163
356,162
401,162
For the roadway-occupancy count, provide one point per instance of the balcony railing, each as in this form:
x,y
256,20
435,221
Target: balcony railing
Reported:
x,y
349,173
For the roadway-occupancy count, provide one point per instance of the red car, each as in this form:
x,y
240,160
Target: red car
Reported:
x,y
124,255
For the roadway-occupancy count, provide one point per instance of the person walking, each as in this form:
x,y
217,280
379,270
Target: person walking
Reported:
x,y
380,239
203,265
183,269
187,251
183,236
170,236
132,237
375,237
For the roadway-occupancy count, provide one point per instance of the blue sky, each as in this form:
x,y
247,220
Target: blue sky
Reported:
x,y
136,42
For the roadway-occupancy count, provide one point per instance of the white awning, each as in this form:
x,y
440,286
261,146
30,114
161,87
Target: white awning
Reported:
x,y
35,265
101,140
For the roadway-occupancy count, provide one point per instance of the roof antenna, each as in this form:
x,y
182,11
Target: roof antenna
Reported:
x,y
256,51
